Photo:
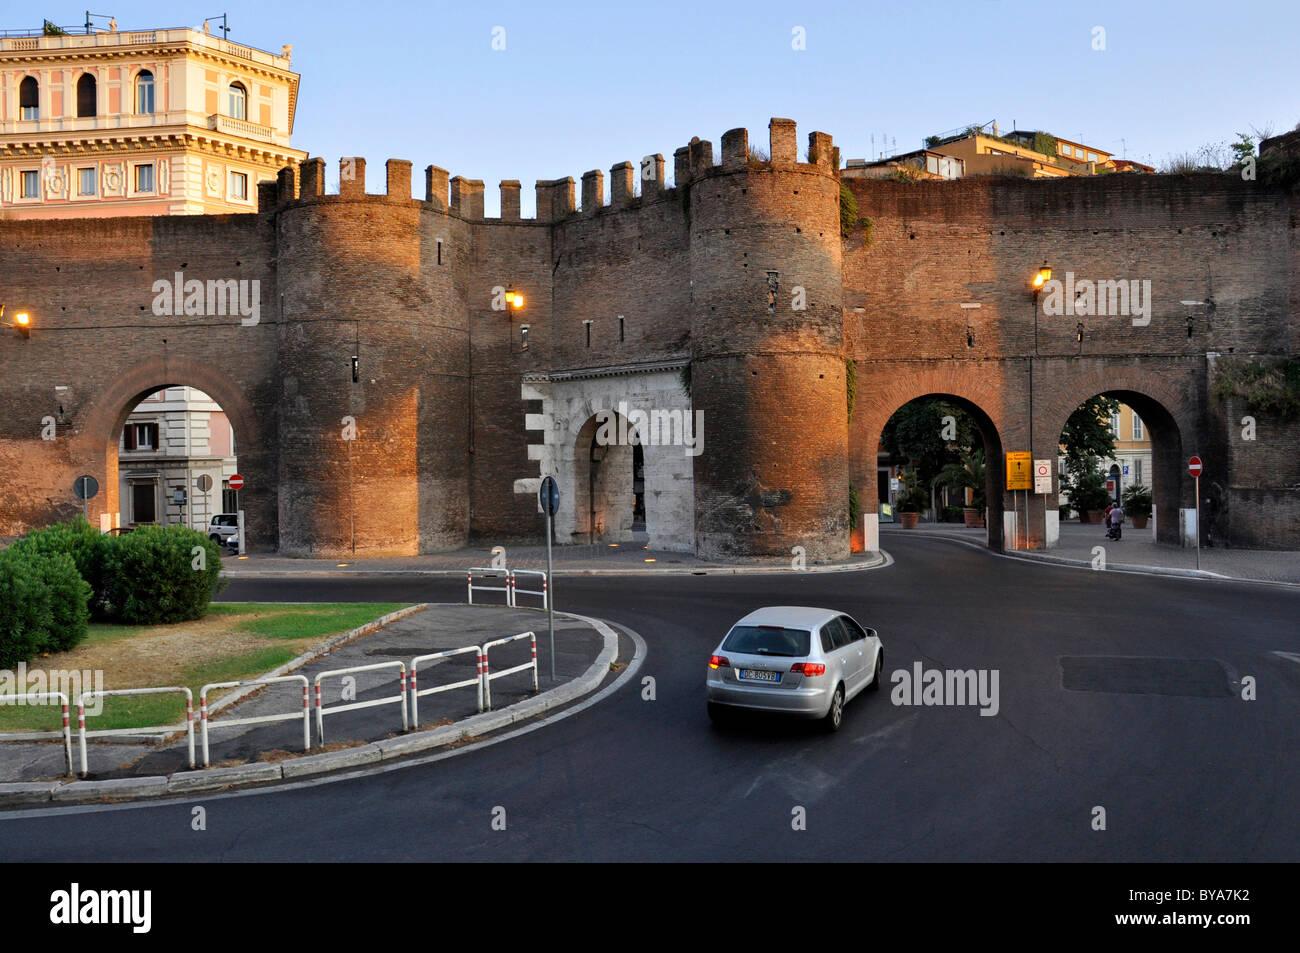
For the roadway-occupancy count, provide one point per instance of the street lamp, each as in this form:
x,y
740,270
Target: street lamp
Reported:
x,y
1041,278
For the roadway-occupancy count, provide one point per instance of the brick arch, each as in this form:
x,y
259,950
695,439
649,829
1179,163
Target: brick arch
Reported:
x,y
884,388
255,437
1169,413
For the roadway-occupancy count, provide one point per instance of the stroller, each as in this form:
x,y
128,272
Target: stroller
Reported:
x,y
1115,527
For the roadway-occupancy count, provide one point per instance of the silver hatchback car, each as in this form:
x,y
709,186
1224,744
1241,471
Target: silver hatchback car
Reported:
x,y
794,659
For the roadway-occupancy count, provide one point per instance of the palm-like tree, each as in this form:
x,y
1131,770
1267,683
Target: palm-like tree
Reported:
x,y
969,472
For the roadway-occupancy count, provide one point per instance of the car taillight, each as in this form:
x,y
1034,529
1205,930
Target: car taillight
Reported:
x,y
809,669
718,661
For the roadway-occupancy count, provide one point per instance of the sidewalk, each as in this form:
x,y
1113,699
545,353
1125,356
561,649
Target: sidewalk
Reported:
x,y
621,558
1136,550
438,627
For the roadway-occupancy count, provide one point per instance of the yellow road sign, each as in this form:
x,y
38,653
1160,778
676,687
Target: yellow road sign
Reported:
x,y
1020,470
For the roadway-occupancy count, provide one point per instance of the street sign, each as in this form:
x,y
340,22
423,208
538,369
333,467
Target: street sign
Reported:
x,y
203,483
1042,476
85,487
1126,469
1194,466
549,496
236,482
1020,474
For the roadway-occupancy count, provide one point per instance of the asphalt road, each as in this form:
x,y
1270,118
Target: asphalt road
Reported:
x,y
1182,766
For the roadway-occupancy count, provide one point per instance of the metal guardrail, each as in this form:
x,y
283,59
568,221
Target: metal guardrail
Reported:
x,y
259,719
63,700
104,732
488,675
489,572
516,592
416,693
322,711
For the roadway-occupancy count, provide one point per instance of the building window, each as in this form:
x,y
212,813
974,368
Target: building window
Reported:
x,y
1114,426
587,324
523,337
622,327
1137,428
1092,157
140,437
237,100
238,186
1137,471
85,181
144,93
87,104
29,98
31,185
143,508
144,178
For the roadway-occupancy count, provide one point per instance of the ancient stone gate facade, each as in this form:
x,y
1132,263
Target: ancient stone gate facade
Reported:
x,y
389,398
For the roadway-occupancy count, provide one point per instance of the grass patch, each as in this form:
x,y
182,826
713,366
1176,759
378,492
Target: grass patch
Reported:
x,y
234,642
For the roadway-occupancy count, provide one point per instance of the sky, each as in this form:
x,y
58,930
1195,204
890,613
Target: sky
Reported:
x,y
588,85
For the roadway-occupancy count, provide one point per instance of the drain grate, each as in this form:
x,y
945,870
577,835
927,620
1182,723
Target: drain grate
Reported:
x,y
1193,678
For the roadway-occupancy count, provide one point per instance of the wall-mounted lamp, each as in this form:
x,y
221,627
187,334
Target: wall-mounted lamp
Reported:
x,y
1041,278
514,299
22,322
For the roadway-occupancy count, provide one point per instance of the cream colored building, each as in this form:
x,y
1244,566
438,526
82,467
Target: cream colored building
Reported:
x,y
171,439
146,122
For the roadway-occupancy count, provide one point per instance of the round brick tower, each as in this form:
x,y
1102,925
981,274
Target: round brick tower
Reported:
x,y
374,357
767,356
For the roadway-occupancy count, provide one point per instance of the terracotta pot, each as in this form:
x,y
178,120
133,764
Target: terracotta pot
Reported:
x,y
1140,522
909,520
1096,516
856,541
974,518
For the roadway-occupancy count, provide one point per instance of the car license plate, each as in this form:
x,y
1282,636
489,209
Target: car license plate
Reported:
x,y
758,675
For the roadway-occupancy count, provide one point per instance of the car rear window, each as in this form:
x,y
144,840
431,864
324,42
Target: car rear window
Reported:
x,y
768,640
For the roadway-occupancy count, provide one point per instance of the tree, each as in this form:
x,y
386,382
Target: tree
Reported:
x,y
1087,433
969,472
917,433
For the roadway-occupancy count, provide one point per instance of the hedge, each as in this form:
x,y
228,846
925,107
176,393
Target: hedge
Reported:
x,y
156,575
88,548
44,604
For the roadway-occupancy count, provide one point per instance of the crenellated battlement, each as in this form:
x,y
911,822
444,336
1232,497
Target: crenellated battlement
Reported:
x,y
557,199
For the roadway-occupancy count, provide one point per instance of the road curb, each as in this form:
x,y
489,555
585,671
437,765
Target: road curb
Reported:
x,y
209,779
1135,569
874,563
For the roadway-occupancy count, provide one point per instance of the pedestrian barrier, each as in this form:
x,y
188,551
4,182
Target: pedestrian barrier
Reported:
x,y
516,592
490,573
476,680
489,675
259,719
104,732
63,700
322,711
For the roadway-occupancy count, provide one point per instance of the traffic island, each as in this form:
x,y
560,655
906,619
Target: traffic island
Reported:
x,y
369,733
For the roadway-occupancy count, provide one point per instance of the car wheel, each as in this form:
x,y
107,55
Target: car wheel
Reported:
x,y
880,667
215,538
835,716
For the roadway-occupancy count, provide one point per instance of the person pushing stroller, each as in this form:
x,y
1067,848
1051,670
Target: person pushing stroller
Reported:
x,y
1115,522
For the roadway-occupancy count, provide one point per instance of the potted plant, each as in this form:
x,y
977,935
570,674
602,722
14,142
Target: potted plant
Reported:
x,y
1137,505
909,507
1087,493
968,474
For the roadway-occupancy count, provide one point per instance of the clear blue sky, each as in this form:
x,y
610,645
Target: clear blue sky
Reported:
x,y
585,85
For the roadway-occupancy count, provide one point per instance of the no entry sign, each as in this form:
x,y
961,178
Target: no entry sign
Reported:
x,y
1194,466
236,482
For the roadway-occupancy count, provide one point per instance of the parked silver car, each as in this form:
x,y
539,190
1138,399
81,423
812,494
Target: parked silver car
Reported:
x,y
794,659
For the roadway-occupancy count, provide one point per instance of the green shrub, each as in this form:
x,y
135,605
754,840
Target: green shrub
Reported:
x,y
1137,501
43,604
88,548
1087,490
150,575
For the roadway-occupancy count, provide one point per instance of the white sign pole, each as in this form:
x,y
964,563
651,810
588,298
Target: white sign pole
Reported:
x,y
1198,523
239,522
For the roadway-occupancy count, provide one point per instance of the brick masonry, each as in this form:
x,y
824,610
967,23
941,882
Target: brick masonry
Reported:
x,y
738,268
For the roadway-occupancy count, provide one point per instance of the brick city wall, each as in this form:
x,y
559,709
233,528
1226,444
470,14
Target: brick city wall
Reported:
x,y
739,267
